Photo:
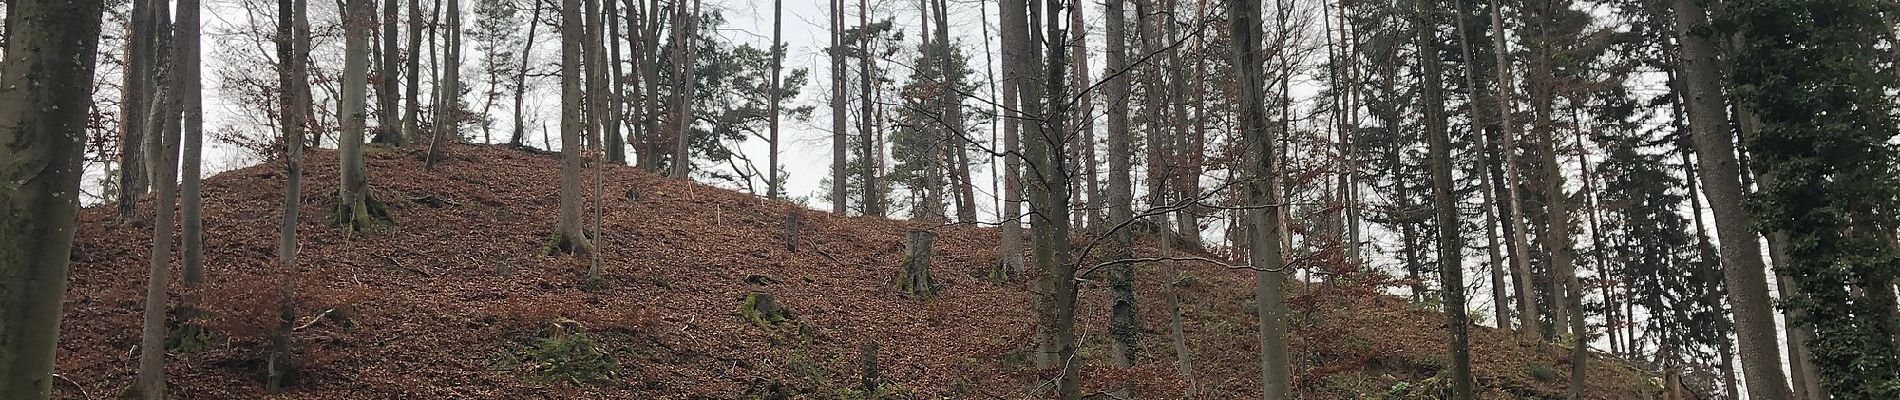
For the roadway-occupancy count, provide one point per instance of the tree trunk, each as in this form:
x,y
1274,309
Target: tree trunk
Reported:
x,y
160,150
594,68
46,71
1500,302
1043,99
683,91
1121,194
521,76
411,124
191,109
1450,242
1741,253
1528,324
873,162
1557,239
1010,251
355,209
389,124
570,238
913,277
134,175
1091,216
839,181
290,14
448,109
778,68
1263,237
616,143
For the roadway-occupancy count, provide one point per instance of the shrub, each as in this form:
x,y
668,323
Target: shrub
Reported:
x,y
568,354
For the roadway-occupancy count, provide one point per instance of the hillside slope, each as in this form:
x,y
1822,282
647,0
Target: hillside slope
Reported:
x,y
452,301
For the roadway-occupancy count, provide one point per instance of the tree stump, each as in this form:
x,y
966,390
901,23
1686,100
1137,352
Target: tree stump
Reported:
x,y
761,309
794,220
913,276
867,358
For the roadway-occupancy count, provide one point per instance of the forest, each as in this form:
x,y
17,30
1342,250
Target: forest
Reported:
x,y
1104,199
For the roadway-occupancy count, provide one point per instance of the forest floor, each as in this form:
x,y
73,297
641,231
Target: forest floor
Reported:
x,y
458,299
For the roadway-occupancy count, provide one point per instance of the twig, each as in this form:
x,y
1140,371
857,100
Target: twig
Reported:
x,y
82,389
313,321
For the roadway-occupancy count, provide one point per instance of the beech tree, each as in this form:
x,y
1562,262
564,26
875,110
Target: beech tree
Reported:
x,y
1263,236
291,24
46,77
568,237
356,208
160,150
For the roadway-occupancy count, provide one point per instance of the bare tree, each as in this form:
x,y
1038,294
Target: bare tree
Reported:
x,y
356,208
291,23
569,237
411,125
191,107
839,182
389,124
778,68
1010,251
160,150
46,81
133,173
448,108
1263,203
521,75
686,27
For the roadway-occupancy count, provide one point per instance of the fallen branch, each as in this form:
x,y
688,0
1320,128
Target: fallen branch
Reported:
x,y
313,320
82,389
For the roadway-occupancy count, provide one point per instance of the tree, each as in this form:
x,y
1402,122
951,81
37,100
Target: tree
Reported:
x,y
356,208
871,163
838,155
778,66
1528,324
568,237
687,22
496,30
1716,166
448,108
1263,237
291,24
926,134
191,109
957,142
162,116
411,123
1121,195
1010,250
1445,208
46,79
1813,77
136,94
389,124
521,74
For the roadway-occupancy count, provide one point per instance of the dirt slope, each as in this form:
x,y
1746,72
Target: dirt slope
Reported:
x,y
448,302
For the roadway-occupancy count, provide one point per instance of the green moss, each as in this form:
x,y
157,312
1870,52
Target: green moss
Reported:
x,y
362,215
771,314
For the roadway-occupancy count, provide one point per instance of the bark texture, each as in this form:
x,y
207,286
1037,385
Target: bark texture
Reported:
x,y
45,83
